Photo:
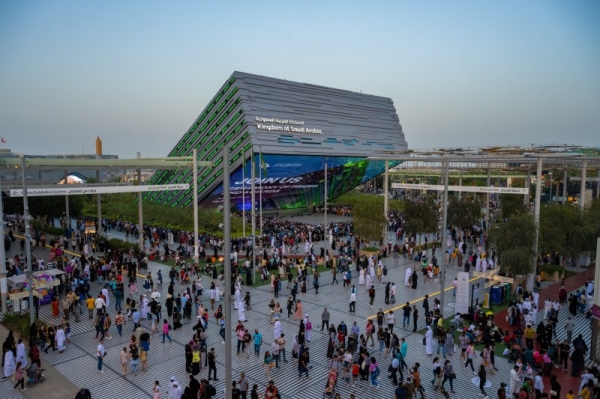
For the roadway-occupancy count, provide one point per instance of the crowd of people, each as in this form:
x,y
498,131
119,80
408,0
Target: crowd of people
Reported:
x,y
354,359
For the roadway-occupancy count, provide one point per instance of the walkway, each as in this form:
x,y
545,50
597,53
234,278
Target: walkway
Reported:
x,y
78,363
582,325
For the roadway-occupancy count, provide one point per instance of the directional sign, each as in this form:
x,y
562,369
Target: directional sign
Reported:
x,y
578,178
74,190
470,189
488,275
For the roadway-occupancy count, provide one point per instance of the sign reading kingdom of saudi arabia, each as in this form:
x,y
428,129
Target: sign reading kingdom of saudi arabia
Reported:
x,y
74,190
470,189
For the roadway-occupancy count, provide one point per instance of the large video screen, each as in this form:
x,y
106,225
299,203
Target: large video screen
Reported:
x,y
295,181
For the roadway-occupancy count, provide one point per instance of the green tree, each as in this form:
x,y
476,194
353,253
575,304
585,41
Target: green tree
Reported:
x,y
52,206
511,205
566,230
421,218
369,221
464,212
513,240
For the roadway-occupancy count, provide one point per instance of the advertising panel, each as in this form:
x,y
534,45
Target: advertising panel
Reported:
x,y
296,181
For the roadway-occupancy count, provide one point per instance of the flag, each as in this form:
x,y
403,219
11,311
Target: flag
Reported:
x,y
2,139
263,164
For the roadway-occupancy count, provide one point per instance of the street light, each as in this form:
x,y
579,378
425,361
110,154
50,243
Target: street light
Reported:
x,y
27,242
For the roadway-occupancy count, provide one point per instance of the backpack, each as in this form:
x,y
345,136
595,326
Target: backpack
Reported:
x,y
211,390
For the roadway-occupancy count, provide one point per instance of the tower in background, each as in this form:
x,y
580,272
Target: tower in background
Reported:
x,y
98,146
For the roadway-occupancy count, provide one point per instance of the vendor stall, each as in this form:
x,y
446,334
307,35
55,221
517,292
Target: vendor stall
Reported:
x,y
43,281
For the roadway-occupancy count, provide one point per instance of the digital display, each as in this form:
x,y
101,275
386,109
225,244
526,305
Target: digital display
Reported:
x,y
296,181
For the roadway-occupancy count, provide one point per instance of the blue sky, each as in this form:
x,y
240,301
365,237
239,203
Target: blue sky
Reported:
x,y
137,73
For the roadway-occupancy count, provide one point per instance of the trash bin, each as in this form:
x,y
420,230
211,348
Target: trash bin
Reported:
x,y
496,295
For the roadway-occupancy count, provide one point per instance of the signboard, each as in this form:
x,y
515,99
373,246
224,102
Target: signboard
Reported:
x,y
75,190
462,293
19,295
294,181
487,275
502,279
470,189
588,179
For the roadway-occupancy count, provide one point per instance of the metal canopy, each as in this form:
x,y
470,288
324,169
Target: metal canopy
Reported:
x,y
512,157
104,164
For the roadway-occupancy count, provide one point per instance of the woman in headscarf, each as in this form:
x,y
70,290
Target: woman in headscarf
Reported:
x,y
295,347
415,279
196,361
298,313
9,342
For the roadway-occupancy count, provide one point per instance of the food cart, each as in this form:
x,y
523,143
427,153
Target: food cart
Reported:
x,y
43,281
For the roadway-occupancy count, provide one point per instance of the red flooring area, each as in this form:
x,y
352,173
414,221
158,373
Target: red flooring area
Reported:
x,y
571,284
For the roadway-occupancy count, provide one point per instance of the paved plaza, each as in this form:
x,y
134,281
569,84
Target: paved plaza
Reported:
x,y
78,362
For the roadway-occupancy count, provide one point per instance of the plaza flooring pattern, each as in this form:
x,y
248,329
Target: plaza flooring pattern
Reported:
x,y
78,362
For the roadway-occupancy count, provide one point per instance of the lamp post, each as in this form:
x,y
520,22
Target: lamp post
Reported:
x,y
195,187
444,224
326,230
27,243
227,268
3,271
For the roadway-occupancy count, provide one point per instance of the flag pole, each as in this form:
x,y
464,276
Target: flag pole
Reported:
x,y
253,199
243,192
260,162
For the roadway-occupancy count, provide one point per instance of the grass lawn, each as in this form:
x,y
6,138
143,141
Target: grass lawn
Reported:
x,y
499,347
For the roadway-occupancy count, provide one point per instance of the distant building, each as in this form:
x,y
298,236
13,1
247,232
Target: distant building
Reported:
x,y
54,176
298,128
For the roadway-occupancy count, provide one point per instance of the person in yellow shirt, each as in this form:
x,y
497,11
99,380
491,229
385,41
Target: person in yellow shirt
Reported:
x,y
91,304
529,336
586,392
570,394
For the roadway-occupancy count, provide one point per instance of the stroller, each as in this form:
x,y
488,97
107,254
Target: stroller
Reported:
x,y
330,387
34,373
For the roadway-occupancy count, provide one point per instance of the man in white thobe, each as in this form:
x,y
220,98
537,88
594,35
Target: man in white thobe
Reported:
x,y
277,328
429,341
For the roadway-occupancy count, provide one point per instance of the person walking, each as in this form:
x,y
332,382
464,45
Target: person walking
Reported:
x,y
538,385
156,388
415,313
391,321
482,380
124,358
448,375
100,353
268,364
406,309
212,364
303,365
275,352
470,354
281,342
257,339
243,385
371,295
325,319
165,331
18,376
134,356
